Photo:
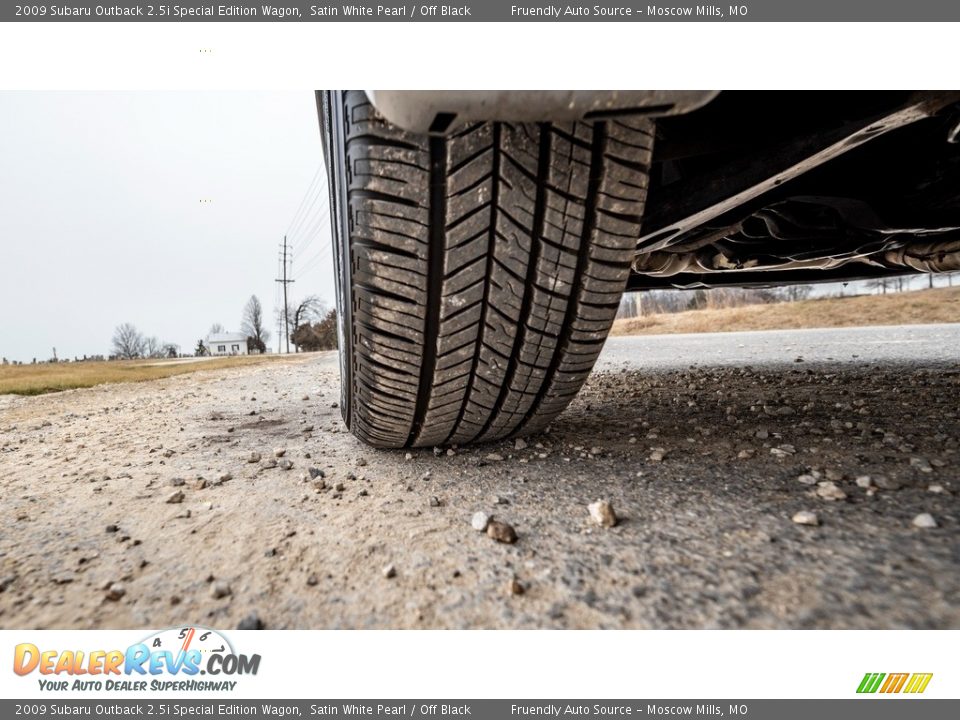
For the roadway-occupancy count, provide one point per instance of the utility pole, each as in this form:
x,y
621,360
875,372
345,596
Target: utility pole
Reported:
x,y
285,282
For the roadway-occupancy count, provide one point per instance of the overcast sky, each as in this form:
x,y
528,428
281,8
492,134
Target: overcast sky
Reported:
x,y
101,219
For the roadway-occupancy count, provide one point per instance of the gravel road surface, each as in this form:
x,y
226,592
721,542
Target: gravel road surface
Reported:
x,y
795,479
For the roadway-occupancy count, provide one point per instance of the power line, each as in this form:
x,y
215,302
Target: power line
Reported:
x,y
320,229
314,261
304,219
303,201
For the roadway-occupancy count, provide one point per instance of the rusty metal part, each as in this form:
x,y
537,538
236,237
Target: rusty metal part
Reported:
x,y
807,233
930,257
762,278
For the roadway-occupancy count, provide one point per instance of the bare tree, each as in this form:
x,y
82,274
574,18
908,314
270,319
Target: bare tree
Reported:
x,y
128,343
216,328
305,312
252,325
152,347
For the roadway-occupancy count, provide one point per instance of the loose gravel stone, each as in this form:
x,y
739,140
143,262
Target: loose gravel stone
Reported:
x,y
806,517
286,464
479,521
828,490
219,589
389,571
924,520
887,483
251,622
279,452
253,457
176,497
501,532
115,591
602,513
921,464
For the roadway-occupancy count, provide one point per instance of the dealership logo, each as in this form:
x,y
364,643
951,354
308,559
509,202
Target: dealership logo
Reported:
x,y
913,683
169,660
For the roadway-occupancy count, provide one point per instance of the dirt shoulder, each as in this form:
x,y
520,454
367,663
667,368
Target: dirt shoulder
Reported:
x,y
157,503
940,305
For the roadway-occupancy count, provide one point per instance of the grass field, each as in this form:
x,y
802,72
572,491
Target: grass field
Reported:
x,y
47,378
941,305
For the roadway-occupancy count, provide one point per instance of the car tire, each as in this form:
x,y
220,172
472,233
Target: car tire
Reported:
x,y
478,274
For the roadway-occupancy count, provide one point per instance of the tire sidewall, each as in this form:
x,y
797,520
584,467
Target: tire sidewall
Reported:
x,y
335,159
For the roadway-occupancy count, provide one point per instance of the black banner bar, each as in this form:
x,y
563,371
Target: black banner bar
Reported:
x,y
488,11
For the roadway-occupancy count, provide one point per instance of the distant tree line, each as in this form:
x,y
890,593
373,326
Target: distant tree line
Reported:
x,y
130,344
656,302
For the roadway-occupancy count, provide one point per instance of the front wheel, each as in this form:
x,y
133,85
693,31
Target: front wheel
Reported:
x,y
478,274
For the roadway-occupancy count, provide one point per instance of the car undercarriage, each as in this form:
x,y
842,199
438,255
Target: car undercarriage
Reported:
x,y
772,188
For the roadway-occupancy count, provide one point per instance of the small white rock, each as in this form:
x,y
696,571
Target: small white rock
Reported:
x,y
924,520
519,444
389,571
828,490
279,452
602,513
219,589
864,481
479,521
806,517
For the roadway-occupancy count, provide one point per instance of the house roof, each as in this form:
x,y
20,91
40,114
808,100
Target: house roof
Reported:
x,y
227,337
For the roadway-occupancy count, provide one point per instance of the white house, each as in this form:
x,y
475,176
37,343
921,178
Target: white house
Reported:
x,y
227,343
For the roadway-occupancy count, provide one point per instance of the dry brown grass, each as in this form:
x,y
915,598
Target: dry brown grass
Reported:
x,y
54,377
941,305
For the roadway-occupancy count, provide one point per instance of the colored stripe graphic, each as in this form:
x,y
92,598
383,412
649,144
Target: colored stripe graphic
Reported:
x,y
894,682
918,682
870,682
